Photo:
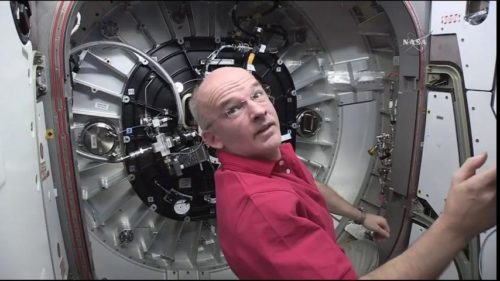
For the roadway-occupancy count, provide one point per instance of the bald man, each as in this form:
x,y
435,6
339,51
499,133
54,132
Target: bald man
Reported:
x,y
273,218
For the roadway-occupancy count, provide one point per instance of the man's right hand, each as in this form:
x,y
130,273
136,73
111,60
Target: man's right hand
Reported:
x,y
470,209
471,202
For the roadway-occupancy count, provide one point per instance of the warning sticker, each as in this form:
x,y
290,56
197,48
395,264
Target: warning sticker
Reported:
x,y
103,106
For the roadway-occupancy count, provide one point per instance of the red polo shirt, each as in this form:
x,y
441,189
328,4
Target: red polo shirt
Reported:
x,y
273,222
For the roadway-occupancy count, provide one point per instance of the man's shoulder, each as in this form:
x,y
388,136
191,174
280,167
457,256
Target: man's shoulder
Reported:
x,y
247,184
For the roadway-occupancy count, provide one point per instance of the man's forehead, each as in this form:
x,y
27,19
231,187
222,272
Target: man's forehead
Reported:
x,y
226,74
225,77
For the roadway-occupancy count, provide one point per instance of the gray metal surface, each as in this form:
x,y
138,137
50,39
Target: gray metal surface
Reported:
x,y
440,154
445,48
483,123
56,242
54,45
478,67
409,67
26,251
488,255
352,160
408,126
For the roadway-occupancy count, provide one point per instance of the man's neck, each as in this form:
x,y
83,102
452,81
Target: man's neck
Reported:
x,y
275,156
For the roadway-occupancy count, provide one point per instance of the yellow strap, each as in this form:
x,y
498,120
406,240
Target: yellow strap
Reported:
x,y
250,58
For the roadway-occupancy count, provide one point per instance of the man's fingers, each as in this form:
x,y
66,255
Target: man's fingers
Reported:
x,y
381,234
469,167
486,178
386,227
382,230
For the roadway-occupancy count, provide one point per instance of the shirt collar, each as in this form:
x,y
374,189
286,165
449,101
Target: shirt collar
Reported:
x,y
245,164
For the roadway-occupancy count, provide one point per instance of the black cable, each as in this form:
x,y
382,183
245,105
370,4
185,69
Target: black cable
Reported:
x,y
146,106
191,67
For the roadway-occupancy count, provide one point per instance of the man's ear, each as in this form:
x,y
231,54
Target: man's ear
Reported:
x,y
212,140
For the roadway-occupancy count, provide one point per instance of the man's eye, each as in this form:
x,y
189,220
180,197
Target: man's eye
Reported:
x,y
257,95
233,110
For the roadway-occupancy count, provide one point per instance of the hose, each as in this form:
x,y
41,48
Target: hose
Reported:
x,y
154,65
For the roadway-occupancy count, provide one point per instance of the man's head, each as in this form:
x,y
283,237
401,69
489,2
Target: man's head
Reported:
x,y
236,115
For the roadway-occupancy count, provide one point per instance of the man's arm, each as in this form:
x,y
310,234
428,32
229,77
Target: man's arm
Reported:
x,y
470,209
338,205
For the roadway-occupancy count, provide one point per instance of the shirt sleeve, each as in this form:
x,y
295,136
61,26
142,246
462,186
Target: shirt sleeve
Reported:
x,y
279,242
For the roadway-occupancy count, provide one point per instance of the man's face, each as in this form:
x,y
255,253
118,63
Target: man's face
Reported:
x,y
241,119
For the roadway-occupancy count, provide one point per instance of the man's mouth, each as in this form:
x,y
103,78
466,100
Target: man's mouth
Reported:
x,y
264,128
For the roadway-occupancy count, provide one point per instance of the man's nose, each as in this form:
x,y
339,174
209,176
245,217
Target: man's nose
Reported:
x,y
255,109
